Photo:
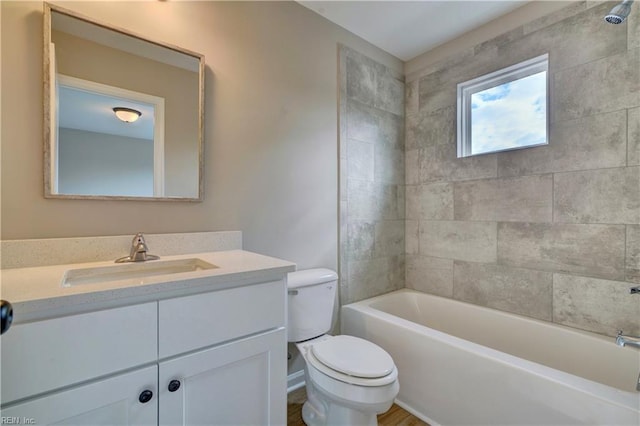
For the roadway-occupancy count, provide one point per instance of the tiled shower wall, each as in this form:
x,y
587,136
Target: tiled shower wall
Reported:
x,y
371,177
549,232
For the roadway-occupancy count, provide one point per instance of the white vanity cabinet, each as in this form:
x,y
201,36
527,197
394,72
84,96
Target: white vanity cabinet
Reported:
x,y
236,381
112,401
214,358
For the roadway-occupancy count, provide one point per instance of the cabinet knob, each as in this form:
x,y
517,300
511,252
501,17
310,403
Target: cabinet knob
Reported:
x,y
6,315
174,385
145,396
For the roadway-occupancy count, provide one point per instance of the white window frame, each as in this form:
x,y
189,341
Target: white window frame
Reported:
x,y
487,81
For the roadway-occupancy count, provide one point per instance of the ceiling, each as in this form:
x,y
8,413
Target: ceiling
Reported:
x,y
93,112
408,28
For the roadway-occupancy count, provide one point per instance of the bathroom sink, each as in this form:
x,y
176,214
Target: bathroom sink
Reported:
x,y
142,270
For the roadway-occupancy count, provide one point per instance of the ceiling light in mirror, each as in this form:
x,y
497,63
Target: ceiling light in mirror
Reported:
x,y
128,115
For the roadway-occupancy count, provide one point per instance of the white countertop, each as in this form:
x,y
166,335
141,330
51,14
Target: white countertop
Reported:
x,y
38,293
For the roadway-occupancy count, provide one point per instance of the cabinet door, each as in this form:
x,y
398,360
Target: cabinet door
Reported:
x,y
108,402
43,356
240,383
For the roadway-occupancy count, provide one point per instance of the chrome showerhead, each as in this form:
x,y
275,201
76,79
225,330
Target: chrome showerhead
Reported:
x,y
619,12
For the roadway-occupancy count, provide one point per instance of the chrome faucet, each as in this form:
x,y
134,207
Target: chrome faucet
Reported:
x,y
138,252
622,340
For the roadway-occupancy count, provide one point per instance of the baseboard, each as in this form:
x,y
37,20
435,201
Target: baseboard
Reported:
x,y
295,381
416,413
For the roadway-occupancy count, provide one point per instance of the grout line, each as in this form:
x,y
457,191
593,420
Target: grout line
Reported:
x,y
624,260
553,284
627,139
553,198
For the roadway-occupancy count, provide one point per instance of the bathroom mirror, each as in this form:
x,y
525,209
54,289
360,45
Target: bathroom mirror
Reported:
x,y
123,115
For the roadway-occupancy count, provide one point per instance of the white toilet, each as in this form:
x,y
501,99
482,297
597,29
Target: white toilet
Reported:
x,y
349,380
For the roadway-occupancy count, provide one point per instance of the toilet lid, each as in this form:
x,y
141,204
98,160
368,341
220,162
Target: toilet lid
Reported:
x,y
353,356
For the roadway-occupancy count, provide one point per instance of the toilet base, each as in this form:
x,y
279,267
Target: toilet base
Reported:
x,y
322,409
339,416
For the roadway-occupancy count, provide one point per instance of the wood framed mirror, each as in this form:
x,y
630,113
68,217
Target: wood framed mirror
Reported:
x,y
123,114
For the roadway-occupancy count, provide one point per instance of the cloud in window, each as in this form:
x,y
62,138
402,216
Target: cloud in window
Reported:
x,y
510,115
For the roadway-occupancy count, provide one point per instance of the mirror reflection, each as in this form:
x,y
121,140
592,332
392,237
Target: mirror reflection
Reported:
x,y
124,114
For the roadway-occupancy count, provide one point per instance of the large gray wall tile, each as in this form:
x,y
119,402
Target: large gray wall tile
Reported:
x,y
373,277
368,124
361,122
608,84
598,196
389,238
472,241
372,201
633,135
440,163
588,143
360,160
448,62
436,128
633,28
458,68
361,200
430,275
555,17
412,167
578,39
429,201
524,199
411,97
400,202
360,240
389,165
521,291
412,237
442,98
411,123
591,250
361,80
633,254
597,305
595,114
389,91
490,47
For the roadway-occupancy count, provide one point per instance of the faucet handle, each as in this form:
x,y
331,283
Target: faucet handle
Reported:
x,y
138,238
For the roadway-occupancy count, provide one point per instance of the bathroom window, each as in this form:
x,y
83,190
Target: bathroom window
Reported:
x,y
504,110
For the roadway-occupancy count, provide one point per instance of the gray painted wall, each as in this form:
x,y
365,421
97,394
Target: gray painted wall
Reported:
x,y
99,164
271,157
548,232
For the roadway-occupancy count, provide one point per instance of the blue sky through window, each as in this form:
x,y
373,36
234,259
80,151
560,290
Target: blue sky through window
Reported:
x,y
511,115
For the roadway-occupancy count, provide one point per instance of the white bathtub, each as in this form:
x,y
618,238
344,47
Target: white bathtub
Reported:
x,y
464,364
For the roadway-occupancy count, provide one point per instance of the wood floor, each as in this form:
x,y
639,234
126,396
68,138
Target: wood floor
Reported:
x,y
396,416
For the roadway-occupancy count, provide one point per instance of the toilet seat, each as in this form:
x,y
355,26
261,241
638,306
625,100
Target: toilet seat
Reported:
x,y
352,360
353,356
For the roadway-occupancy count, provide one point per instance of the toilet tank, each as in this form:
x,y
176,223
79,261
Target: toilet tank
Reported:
x,y
311,297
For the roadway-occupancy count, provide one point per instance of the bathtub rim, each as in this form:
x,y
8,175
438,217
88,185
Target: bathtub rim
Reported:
x,y
624,399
